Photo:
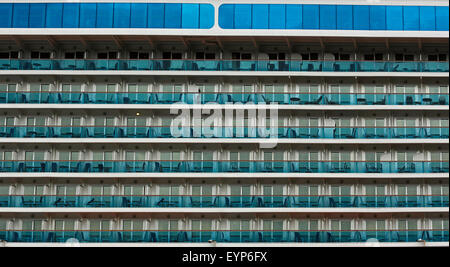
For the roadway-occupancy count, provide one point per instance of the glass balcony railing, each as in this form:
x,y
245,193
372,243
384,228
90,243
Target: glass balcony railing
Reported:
x,y
222,65
224,201
53,97
185,166
223,132
188,236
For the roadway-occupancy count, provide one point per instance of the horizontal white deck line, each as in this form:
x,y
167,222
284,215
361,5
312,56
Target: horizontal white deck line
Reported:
x,y
224,175
221,73
138,107
301,141
250,245
6,211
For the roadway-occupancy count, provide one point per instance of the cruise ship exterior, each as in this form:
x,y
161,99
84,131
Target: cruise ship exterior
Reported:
x,y
219,123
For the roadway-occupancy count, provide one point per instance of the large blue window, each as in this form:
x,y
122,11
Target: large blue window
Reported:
x,y
206,16
328,17
361,18
105,14
411,18
442,18
37,16
138,15
294,17
427,18
6,15
156,16
226,16
311,17
378,18
21,15
88,15
54,15
260,19
190,15
122,12
344,17
277,16
243,17
394,18
71,15
172,16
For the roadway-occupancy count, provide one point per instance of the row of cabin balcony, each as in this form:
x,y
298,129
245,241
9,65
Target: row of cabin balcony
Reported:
x,y
225,195
237,61
335,127
331,93
321,229
306,55
126,161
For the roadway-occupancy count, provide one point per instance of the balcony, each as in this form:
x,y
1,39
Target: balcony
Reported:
x,y
223,201
224,132
225,236
222,65
52,97
225,166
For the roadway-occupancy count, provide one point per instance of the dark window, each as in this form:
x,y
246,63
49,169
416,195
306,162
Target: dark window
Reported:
x,y
69,55
144,55
200,55
35,55
45,55
167,55
273,56
79,55
379,56
409,57
246,56
112,55
338,56
314,56
236,55
102,55
306,57
134,55
176,56
442,57
432,57
210,56
4,55
369,57
398,57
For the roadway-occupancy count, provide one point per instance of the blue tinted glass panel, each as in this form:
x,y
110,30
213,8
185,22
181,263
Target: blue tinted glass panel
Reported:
x,y
5,15
243,16
310,17
411,18
294,17
344,17
427,18
226,16
361,17
156,15
172,16
328,17
122,14
394,18
138,16
378,18
71,15
260,18
88,15
37,15
277,16
105,15
54,15
206,16
442,18
20,16
190,16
